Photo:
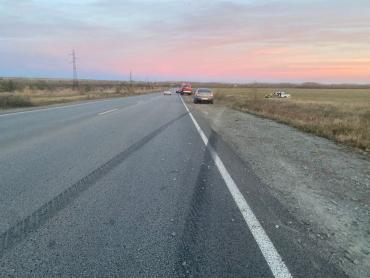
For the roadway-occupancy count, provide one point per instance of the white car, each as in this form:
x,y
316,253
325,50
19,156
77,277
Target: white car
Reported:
x,y
167,93
281,94
284,95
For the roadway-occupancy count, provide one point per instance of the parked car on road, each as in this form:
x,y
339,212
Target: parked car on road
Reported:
x,y
203,95
167,93
185,89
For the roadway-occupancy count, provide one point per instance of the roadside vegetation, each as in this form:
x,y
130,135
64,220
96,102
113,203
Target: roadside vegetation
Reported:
x,y
19,92
342,115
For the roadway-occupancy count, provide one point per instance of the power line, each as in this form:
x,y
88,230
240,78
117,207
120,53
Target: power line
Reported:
x,y
75,76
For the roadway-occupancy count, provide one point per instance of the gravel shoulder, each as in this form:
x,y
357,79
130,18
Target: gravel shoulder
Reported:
x,y
324,185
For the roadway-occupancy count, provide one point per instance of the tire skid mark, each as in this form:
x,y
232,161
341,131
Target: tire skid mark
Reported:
x,y
34,221
199,207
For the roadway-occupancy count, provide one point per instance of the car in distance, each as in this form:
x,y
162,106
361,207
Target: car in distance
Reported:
x,y
283,94
167,93
278,95
203,95
185,89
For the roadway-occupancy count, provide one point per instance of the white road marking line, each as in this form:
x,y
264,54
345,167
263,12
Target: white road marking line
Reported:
x,y
272,257
57,107
109,111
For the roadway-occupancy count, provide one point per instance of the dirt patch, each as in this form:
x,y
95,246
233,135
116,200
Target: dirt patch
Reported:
x,y
324,185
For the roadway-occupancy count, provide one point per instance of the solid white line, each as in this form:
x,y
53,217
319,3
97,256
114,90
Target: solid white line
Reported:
x,y
106,112
272,257
52,108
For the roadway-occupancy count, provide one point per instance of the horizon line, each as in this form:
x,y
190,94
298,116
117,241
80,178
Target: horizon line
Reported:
x,y
193,81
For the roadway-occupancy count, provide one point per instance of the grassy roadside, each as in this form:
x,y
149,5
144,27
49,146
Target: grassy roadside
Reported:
x,y
13,101
342,115
26,93
19,100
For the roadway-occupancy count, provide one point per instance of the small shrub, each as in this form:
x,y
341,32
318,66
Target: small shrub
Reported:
x,y
87,88
12,101
7,86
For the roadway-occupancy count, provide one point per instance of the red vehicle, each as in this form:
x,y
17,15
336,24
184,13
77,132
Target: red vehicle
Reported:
x,y
185,89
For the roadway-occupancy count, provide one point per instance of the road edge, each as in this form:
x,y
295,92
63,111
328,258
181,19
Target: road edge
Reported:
x,y
269,252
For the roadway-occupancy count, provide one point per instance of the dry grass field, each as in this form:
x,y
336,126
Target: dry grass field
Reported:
x,y
342,115
16,93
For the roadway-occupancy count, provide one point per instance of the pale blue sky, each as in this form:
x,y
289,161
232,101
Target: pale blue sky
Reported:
x,y
326,41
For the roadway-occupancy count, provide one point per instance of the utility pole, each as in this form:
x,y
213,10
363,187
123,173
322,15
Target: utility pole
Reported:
x,y
75,76
131,77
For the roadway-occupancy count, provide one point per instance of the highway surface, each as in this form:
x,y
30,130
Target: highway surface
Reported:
x,y
137,187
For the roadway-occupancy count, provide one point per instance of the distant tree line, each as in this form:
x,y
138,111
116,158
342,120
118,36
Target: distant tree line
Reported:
x,y
306,85
11,85
19,84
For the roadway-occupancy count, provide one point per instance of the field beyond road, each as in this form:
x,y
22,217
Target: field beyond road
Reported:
x,y
342,115
23,92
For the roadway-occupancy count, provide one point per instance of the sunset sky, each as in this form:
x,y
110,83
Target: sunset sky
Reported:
x,y
230,41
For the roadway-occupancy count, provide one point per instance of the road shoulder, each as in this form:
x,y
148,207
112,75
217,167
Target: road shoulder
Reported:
x,y
323,187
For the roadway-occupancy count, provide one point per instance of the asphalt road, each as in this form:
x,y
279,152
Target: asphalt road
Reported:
x,y
127,188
